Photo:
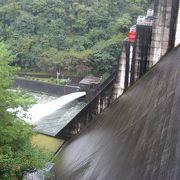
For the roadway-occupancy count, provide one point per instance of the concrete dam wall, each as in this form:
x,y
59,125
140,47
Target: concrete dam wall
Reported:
x,y
42,87
136,138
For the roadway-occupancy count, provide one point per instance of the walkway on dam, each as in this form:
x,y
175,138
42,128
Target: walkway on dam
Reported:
x,y
136,138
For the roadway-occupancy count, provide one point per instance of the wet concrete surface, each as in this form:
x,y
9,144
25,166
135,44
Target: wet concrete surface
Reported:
x,y
136,138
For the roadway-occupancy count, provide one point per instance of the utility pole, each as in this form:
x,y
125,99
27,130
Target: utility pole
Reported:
x,y
57,75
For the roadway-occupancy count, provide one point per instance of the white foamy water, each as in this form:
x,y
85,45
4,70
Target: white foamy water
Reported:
x,y
51,114
39,111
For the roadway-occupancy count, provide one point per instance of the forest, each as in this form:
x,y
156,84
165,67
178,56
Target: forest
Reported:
x,y
71,36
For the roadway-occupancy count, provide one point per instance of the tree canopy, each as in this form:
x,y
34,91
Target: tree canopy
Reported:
x,y
16,152
50,34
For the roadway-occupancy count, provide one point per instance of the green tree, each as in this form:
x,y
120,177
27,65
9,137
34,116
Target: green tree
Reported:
x,y
33,27
106,53
16,152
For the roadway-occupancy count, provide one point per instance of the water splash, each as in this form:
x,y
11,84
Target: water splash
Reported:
x,y
39,111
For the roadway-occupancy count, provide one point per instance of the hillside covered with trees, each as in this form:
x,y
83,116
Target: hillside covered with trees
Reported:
x,y
68,35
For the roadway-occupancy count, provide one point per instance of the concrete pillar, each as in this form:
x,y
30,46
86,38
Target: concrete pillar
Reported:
x,y
120,79
130,63
177,38
161,28
99,105
104,102
137,61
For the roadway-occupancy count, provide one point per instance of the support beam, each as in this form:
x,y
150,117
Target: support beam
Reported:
x,y
177,39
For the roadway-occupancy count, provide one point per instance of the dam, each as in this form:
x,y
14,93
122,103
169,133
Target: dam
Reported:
x,y
134,134
137,137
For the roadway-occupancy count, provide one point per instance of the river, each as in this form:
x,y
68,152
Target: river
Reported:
x,y
51,114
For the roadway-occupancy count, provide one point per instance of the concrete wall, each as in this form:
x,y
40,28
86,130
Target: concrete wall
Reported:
x,y
164,28
161,29
177,40
74,79
142,50
120,78
50,89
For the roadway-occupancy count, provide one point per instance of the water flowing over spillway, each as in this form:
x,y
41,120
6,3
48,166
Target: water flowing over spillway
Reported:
x,y
51,114
39,111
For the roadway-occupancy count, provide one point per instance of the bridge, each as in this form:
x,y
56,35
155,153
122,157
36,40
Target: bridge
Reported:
x,y
137,136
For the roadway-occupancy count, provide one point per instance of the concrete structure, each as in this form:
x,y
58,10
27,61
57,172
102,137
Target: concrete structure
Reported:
x,y
134,60
177,40
151,44
164,29
119,84
100,101
89,82
136,138
39,87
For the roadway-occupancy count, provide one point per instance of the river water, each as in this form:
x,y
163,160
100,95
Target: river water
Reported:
x,y
51,114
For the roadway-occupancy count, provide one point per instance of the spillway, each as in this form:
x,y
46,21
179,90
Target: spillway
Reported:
x,y
39,111
55,122
136,138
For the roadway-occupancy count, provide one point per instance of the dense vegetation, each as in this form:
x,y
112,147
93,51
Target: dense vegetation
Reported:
x,y
16,152
68,35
